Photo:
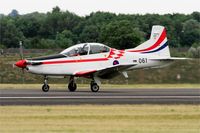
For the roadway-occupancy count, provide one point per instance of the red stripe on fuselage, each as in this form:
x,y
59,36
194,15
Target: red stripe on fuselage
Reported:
x,y
74,61
162,37
83,73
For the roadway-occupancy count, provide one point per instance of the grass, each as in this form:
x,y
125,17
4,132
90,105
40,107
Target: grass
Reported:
x,y
101,119
104,86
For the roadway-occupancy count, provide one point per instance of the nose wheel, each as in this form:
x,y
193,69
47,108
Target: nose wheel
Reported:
x,y
45,87
94,87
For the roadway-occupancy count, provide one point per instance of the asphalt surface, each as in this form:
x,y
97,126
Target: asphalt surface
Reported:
x,y
104,96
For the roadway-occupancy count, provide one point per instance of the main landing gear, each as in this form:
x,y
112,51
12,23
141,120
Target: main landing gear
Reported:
x,y
94,86
72,85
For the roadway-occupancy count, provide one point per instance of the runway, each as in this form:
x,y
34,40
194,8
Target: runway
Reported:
x,y
104,96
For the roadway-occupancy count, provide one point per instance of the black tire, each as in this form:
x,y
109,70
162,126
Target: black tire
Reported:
x,y
45,88
94,87
72,86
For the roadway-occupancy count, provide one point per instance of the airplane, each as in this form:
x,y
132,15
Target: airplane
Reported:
x,y
97,61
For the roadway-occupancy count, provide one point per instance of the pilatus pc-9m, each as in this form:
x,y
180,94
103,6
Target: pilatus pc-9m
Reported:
x,y
98,61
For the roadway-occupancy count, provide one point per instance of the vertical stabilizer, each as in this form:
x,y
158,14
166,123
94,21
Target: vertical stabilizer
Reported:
x,y
157,44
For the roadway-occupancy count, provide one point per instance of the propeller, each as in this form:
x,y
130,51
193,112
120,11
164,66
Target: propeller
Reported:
x,y
21,53
21,63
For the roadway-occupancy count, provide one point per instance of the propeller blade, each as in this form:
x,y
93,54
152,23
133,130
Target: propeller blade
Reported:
x,y
23,71
23,76
21,50
13,65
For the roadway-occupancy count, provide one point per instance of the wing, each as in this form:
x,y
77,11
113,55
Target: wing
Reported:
x,y
105,73
85,73
111,72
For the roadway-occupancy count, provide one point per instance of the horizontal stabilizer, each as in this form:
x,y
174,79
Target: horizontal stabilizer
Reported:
x,y
171,58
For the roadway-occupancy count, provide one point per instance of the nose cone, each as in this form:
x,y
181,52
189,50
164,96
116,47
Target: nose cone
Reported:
x,y
21,63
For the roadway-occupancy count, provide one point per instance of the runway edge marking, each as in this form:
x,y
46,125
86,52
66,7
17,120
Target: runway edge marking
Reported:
x,y
103,97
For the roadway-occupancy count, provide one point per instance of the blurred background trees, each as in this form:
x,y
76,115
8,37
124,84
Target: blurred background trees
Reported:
x,y
61,29
50,32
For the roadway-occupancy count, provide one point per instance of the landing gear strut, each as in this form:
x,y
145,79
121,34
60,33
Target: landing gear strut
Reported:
x,y
45,87
72,84
94,86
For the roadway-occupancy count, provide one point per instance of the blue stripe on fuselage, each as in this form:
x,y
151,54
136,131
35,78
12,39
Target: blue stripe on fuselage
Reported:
x,y
163,46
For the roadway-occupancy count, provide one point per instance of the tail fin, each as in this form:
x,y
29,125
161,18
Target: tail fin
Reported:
x,y
157,44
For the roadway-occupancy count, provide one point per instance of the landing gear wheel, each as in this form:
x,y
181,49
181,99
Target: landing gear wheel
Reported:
x,y
94,87
72,86
45,88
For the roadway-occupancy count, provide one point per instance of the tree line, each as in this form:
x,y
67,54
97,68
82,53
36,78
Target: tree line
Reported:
x,y
61,29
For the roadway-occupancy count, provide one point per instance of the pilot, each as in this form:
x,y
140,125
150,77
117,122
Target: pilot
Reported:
x,y
76,53
103,49
83,52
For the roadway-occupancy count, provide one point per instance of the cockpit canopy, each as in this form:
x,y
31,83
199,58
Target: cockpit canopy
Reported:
x,y
85,49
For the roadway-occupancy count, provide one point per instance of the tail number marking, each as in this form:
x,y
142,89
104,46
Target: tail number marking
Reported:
x,y
142,60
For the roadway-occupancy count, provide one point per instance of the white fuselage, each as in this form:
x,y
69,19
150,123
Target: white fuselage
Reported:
x,y
71,65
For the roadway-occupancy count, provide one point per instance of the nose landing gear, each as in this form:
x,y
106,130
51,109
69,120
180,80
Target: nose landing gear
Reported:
x,y
45,87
